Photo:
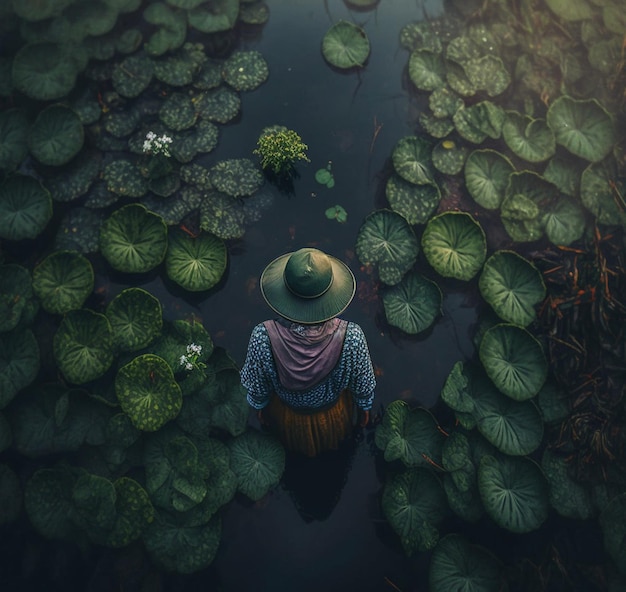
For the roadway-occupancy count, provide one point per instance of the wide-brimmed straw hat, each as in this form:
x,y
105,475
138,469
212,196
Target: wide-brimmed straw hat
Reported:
x,y
307,286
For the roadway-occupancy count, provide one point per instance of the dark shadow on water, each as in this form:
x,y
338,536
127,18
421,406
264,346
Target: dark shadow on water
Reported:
x,y
315,484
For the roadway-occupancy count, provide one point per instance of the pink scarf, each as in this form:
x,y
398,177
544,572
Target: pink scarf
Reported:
x,y
305,354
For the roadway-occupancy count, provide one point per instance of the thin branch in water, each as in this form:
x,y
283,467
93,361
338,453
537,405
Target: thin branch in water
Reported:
x,y
377,128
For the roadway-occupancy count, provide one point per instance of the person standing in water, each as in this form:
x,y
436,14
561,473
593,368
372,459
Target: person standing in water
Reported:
x,y
308,373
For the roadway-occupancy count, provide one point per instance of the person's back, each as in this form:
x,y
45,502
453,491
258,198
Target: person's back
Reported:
x,y
308,371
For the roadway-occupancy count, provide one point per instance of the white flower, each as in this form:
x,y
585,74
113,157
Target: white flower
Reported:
x,y
183,360
188,366
193,348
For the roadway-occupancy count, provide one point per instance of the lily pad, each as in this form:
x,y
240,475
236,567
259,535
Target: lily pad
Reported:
x,y
196,264
414,503
487,73
136,318
530,139
512,286
133,239
455,245
487,176
16,295
514,360
416,203
345,45
387,241
457,565
170,29
14,126
582,126
412,160
83,345
25,207
220,105
239,177
514,492
245,70
19,362
565,221
178,112
409,435
63,281
427,70
413,304
449,157
124,178
56,135
132,75
258,460
148,392
479,122
215,16
598,195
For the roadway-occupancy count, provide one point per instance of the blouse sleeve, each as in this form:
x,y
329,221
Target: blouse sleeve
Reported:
x,y
254,376
362,379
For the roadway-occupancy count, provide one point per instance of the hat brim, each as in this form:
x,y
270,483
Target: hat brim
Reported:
x,y
302,310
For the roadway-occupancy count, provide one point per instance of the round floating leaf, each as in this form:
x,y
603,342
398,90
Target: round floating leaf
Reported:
x,y
563,170
387,241
514,492
63,281
513,427
133,239
178,112
14,126
83,345
613,525
413,304
449,157
427,69
514,360
410,435
571,10
245,70
136,318
56,135
597,194
258,460
582,126
16,291
444,102
25,207
435,127
177,336
455,245
238,177
457,565
512,286
567,496
196,264
530,139
148,392
415,202
219,15
345,45
221,105
487,176
414,503
46,71
480,121
19,362
412,160
171,31
74,180
487,73
124,178
182,549
132,75
564,222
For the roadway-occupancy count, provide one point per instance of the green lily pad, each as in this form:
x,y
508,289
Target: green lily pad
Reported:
x,y
412,160
530,139
56,135
19,362
16,292
427,70
132,75
487,176
514,360
220,105
345,45
409,435
387,241
582,126
479,122
449,157
455,245
514,492
487,73
171,29
598,194
133,239
245,70
258,460
512,286
124,178
414,202
239,177
178,112
196,264
14,126
413,304
25,207
414,503
565,221
83,345
218,15
63,281
136,318
148,392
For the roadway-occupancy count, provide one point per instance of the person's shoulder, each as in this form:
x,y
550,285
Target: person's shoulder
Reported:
x,y
354,330
259,331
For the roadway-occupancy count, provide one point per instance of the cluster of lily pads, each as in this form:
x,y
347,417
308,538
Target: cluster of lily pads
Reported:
x,y
169,445
548,161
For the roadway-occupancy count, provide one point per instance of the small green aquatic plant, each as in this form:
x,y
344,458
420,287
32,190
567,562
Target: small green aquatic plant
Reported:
x,y
280,149
325,176
192,361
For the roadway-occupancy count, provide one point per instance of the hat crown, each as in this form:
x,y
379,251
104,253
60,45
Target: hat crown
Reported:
x,y
308,273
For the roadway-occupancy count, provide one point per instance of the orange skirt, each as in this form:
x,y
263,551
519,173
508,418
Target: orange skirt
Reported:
x,y
311,433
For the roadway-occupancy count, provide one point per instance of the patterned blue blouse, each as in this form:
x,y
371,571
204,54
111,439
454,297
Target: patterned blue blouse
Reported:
x,y
353,371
